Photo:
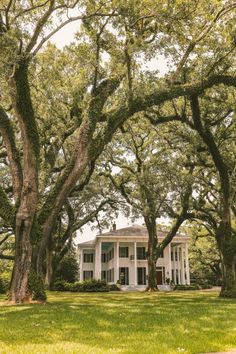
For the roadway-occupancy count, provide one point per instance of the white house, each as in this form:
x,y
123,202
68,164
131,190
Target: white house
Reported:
x,y
120,255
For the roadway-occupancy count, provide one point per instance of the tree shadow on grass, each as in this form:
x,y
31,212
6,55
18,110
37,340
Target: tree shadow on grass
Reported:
x,y
193,323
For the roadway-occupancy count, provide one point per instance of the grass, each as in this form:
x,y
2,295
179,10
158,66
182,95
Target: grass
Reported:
x,y
166,323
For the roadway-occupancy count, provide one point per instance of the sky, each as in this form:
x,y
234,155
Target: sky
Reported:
x,y
64,37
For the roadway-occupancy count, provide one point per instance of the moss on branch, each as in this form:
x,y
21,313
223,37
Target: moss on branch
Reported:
x,y
7,211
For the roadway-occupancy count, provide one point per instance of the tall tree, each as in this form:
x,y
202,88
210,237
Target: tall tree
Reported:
x,y
113,92
143,169
211,117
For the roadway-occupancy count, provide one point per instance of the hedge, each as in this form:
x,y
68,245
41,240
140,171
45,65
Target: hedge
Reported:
x,y
85,286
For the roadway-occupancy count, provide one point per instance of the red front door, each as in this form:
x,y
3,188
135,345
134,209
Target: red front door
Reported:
x,y
159,277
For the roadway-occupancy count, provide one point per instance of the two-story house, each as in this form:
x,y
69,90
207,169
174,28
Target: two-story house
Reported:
x,y
120,256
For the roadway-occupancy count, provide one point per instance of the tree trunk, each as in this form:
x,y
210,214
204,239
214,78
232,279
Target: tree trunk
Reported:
x,y
225,238
152,253
226,244
152,279
19,283
21,101
228,288
49,269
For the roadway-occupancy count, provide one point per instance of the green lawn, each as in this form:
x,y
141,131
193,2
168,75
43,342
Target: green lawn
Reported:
x,y
182,322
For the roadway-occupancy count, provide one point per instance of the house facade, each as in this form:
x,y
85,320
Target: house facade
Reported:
x,y
120,256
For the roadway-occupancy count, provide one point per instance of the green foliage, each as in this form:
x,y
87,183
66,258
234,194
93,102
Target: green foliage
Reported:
x,y
6,265
114,287
62,285
203,256
4,284
195,38
93,286
68,269
187,287
36,287
85,286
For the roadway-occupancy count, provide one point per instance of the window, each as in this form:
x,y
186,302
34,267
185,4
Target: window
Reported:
x,y
124,276
88,274
110,255
141,275
123,252
103,257
110,275
104,275
161,255
88,257
141,253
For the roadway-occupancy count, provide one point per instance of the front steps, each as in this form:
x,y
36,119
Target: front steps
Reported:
x,y
163,287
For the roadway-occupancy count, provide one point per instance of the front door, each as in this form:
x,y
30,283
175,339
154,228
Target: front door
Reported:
x,y
159,277
124,276
160,274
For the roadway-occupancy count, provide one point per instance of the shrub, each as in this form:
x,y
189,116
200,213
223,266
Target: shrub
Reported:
x,y
187,287
4,285
60,285
68,268
36,287
114,287
85,286
93,286
206,286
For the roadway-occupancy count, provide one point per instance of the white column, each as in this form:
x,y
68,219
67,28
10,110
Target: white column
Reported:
x,y
174,254
116,263
98,260
135,263
178,264
187,265
81,264
182,265
170,268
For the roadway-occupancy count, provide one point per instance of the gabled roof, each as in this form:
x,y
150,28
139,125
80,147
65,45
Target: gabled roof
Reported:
x,y
87,243
134,230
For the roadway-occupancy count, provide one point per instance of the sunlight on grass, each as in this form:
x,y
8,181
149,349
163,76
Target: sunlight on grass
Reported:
x,y
179,322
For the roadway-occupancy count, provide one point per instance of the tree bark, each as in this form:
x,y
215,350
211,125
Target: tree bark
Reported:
x,y
226,246
224,235
49,268
19,283
25,215
152,253
228,288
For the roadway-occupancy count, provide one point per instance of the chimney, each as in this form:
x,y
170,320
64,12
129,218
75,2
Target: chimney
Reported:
x,y
114,227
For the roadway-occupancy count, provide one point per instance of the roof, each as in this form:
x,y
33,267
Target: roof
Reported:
x,y
130,231
134,230
87,243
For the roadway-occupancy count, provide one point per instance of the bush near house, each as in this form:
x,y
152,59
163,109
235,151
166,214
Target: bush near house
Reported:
x,y
114,287
85,286
67,269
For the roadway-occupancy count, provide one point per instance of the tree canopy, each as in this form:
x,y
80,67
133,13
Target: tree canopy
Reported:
x,y
60,108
